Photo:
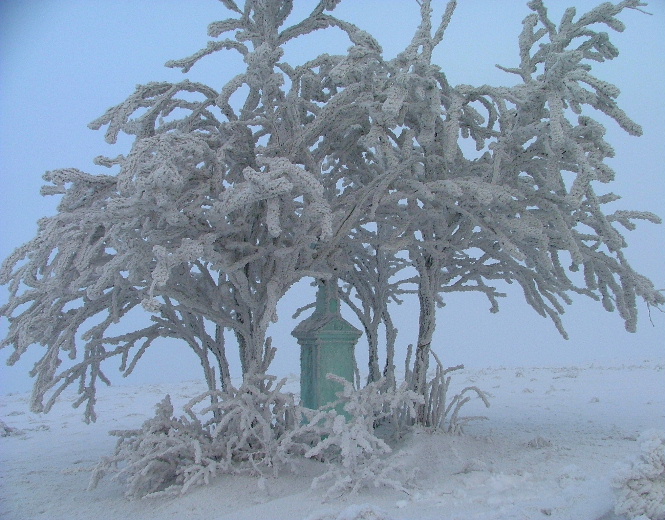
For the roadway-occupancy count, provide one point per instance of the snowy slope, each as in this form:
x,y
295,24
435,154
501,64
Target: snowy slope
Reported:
x,y
548,450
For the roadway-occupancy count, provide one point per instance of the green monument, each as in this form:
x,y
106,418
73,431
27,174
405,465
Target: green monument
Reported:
x,y
327,344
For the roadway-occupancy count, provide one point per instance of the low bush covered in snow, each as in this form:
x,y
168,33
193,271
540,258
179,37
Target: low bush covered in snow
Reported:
x,y
640,481
357,457
169,454
258,429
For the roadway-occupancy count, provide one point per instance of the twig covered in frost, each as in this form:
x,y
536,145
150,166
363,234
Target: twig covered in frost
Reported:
x,y
437,411
8,431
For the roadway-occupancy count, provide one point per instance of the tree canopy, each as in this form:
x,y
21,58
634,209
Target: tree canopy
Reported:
x,y
353,167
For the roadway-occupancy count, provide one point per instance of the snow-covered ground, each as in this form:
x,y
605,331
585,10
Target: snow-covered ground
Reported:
x,y
547,451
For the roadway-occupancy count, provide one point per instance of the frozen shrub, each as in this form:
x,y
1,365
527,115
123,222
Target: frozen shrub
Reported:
x,y
258,428
640,481
348,442
157,457
169,455
249,423
438,411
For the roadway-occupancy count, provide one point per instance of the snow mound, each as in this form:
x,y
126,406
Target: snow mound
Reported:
x,y
640,481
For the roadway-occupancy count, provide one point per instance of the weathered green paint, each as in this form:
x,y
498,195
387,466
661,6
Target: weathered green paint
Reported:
x,y
327,344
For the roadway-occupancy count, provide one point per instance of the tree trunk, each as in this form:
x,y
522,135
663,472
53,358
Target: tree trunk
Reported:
x,y
373,342
426,323
219,351
391,337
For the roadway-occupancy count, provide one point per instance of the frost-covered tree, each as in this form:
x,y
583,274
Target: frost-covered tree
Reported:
x,y
523,205
351,166
212,217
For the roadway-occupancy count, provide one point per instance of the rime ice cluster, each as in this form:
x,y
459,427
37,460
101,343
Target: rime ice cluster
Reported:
x,y
242,431
259,430
640,481
352,166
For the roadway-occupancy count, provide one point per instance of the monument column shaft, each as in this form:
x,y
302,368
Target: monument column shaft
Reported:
x,y
327,343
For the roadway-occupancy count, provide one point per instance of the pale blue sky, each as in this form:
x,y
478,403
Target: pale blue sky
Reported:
x,y
64,62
